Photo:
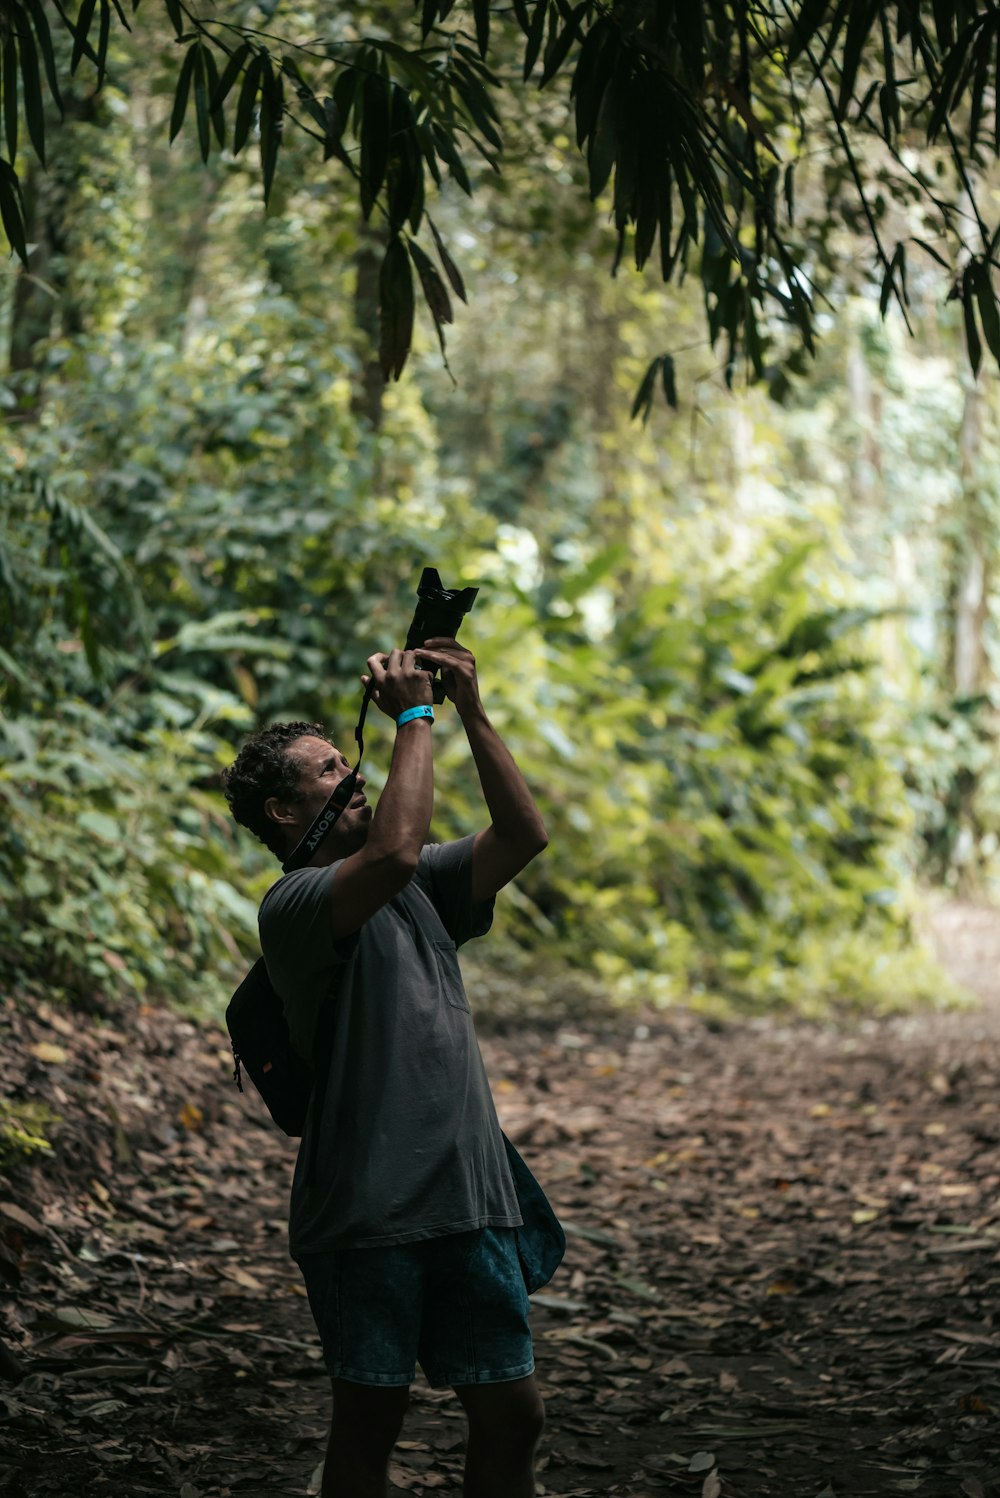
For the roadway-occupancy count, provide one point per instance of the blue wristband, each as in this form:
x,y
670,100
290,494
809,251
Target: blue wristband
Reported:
x,y
415,712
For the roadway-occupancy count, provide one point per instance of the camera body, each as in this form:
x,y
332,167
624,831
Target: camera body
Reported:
x,y
439,611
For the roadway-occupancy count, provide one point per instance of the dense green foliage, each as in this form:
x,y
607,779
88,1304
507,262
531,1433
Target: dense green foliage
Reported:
x,y
739,139
698,636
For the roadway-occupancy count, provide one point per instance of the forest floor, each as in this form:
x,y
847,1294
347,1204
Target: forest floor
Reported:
x,y
782,1272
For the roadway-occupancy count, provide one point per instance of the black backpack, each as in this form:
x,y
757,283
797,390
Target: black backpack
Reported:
x,y
262,1048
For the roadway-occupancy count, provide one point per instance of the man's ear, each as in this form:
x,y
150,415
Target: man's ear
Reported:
x,y
282,812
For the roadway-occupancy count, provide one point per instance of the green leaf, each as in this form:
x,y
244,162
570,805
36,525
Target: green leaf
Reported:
x,y
603,141
215,112
934,254
535,35
272,110
643,403
374,140
201,96
11,211
34,109
183,90
669,381
103,35
405,172
44,38
988,313
448,152
595,67
435,292
10,116
245,103
889,282
479,105
481,11
235,63
81,36
334,129
396,307
346,93
559,44
176,16
451,270
809,16
973,342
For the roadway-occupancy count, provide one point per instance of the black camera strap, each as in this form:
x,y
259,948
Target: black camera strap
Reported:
x,y
342,794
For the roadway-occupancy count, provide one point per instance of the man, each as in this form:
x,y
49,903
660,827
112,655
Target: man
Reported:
x,y
403,1209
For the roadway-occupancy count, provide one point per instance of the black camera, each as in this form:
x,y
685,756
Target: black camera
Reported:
x,y
439,611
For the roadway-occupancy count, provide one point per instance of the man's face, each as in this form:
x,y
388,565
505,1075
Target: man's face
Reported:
x,y
321,769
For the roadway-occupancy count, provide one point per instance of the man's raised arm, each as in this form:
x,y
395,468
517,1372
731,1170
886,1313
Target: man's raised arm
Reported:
x,y
517,833
369,878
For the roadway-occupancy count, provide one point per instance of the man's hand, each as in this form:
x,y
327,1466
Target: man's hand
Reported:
x,y
458,672
399,682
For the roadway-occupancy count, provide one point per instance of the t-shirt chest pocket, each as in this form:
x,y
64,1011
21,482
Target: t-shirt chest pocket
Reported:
x,y
449,972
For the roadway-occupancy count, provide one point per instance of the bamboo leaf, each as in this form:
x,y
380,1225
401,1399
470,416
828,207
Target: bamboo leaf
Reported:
x,y
272,110
81,36
34,109
451,270
809,16
558,49
934,254
973,342
595,67
183,90
201,97
435,293
176,16
449,153
481,11
10,112
346,91
235,63
374,140
43,36
535,35
333,127
215,111
246,102
989,316
479,104
669,381
103,36
643,403
604,141
396,307
863,14
12,211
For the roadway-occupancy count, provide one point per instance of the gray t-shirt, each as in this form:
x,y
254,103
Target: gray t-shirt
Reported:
x,y
401,1141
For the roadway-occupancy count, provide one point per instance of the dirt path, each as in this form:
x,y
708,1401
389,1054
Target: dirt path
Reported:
x,y
782,1275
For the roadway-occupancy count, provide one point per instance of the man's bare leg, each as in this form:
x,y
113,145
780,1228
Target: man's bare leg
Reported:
x,y
505,1422
364,1429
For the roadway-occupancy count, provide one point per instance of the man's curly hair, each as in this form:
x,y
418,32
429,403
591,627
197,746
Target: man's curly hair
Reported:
x,y
264,768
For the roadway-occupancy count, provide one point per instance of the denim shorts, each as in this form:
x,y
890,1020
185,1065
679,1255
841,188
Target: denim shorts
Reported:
x,y
456,1304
